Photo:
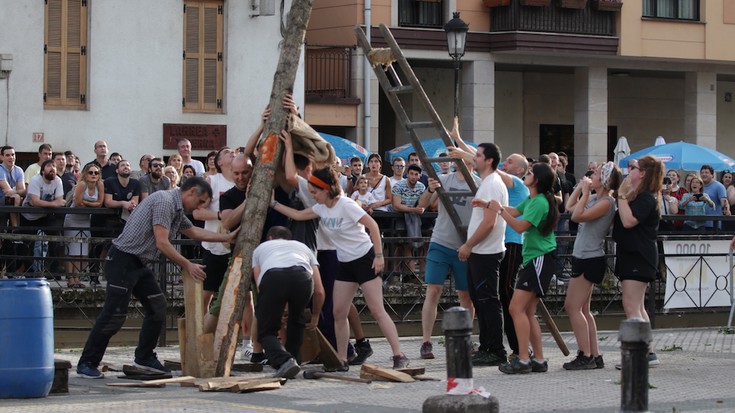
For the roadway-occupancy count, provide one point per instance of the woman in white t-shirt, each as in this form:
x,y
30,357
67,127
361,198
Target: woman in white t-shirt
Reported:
x,y
360,257
378,185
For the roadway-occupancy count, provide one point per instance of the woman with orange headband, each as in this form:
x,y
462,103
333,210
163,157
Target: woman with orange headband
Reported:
x,y
360,257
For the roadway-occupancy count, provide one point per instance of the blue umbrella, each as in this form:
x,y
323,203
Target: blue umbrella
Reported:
x,y
685,156
433,148
345,149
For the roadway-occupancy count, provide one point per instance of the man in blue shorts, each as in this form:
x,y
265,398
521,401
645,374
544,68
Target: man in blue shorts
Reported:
x,y
442,259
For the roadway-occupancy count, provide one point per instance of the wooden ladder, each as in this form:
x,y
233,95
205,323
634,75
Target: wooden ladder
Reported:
x,y
409,88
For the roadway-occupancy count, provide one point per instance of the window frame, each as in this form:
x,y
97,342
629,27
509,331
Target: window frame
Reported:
x,y
200,105
64,101
654,14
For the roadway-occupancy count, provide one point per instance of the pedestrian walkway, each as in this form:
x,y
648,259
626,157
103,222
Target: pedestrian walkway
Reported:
x,y
696,375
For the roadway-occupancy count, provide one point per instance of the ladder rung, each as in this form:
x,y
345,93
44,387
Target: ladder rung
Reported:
x,y
401,89
440,159
420,125
459,193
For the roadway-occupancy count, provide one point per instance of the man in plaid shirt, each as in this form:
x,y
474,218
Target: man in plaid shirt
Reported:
x,y
147,233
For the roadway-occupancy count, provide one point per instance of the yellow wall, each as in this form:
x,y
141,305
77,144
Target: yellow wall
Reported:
x,y
333,22
684,40
474,13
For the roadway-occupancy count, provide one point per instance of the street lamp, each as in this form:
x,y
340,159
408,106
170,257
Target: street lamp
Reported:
x,y
456,37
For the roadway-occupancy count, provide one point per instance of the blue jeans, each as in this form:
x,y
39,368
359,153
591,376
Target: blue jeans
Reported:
x,y
126,276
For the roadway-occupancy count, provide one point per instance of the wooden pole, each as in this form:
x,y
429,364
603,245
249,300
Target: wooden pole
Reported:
x,y
269,159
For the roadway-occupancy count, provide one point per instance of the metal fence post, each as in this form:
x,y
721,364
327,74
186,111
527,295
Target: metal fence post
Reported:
x,y
635,335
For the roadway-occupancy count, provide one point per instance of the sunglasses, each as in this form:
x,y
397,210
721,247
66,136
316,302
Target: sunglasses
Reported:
x,y
93,172
399,166
633,167
157,165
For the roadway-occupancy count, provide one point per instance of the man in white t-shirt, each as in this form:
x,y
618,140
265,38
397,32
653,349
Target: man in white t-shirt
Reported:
x,y
216,255
286,272
184,148
484,250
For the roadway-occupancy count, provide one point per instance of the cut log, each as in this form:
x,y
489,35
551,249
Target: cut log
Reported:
x,y
392,375
206,355
226,312
194,310
181,323
269,159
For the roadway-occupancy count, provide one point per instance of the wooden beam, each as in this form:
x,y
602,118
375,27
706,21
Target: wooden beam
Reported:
x,y
269,159
227,312
194,310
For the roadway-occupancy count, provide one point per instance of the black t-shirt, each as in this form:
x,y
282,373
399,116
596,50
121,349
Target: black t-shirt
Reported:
x,y
108,171
119,192
231,199
234,197
642,237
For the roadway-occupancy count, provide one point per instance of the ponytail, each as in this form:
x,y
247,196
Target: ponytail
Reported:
x,y
545,178
553,216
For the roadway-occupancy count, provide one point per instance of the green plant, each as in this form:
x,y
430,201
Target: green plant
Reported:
x,y
672,347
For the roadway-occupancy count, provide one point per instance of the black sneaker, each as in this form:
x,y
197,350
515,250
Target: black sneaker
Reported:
x,y
581,362
599,362
539,366
483,358
84,370
288,370
515,366
363,351
400,362
259,358
427,351
151,364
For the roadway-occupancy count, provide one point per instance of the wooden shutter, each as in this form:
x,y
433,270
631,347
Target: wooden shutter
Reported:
x,y
202,66
65,50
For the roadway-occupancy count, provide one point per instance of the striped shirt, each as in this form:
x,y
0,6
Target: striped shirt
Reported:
x,y
160,208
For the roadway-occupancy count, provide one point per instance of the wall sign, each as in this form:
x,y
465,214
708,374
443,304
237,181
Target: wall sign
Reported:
x,y
202,137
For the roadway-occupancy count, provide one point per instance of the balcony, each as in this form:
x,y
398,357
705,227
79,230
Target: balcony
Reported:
x,y
328,74
421,13
585,21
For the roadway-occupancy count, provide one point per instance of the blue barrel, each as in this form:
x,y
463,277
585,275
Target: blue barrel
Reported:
x,y
26,338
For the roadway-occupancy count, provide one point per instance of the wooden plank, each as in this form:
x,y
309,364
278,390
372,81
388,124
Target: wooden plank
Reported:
x,y
181,323
327,355
551,326
392,375
194,309
227,383
136,384
206,355
423,377
226,312
249,388
171,364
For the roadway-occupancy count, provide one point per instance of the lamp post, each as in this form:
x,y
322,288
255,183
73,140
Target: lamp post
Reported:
x,y
456,37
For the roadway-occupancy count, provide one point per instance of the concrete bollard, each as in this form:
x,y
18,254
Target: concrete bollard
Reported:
x,y
457,326
635,336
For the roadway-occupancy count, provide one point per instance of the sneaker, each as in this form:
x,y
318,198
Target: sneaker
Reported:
x,y
427,352
599,362
85,371
288,370
259,358
652,361
151,364
539,366
515,366
483,358
400,362
246,351
581,362
345,368
363,351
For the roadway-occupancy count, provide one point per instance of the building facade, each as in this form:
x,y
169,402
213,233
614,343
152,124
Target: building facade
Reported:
x,y
550,75
137,73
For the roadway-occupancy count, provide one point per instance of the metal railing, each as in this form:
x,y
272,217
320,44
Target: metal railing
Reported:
x,y
421,13
404,291
328,72
586,21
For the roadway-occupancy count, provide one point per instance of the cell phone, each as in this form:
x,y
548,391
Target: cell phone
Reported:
x,y
241,149
697,196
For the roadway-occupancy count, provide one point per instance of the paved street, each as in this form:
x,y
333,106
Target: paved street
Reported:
x,y
695,375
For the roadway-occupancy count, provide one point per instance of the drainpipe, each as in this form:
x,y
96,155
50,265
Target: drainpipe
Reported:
x,y
366,81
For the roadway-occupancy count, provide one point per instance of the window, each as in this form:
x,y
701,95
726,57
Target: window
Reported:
x,y
65,54
672,9
203,73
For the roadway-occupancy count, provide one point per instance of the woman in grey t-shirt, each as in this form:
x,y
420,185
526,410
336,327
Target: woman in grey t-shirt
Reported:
x,y
594,213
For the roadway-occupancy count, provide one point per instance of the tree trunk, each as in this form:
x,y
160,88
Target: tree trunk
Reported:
x,y
253,219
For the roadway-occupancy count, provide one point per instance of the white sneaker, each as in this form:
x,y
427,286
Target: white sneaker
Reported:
x,y
246,352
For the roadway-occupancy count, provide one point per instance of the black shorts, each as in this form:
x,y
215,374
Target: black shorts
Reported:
x,y
357,271
216,267
536,276
630,265
593,269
